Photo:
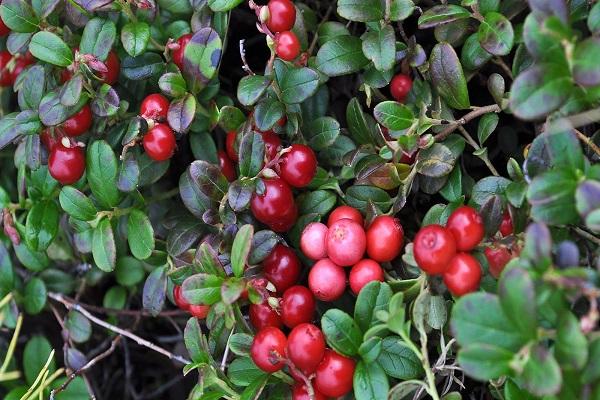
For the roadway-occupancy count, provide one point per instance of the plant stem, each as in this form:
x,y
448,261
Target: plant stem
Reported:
x,y
588,141
468,117
12,345
474,144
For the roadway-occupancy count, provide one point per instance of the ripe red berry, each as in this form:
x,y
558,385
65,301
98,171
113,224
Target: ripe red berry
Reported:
x,y
4,30
497,258
463,274
346,242
506,226
268,349
287,45
177,55
113,65
282,15
199,311
385,238
313,241
49,139
179,300
21,62
78,123
327,280
345,212
299,165
400,86
300,392
226,165
159,142
6,76
275,203
433,249
263,315
466,225
155,106
297,306
305,347
231,147
282,267
66,164
334,374
363,272
272,144
287,220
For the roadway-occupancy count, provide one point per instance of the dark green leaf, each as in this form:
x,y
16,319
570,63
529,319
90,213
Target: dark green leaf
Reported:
x,y
142,67
77,204
34,86
78,326
129,174
18,16
370,381
541,374
106,101
239,195
393,115
36,353
340,56
322,132
140,235
359,196
585,64
436,161
571,345
242,371
252,153
297,84
153,295
447,76
487,125
517,298
172,84
48,47
375,296
35,296
103,246
223,5
42,225
267,113
98,37
135,37
496,34
360,10
181,113
398,360
485,361
251,88
102,173
551,196
240,249
202,289
442,14
341,332
263,243
359,128
379,46
317,202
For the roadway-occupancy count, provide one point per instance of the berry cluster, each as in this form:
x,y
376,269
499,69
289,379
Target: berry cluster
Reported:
x,y
159,142
278,18
498,255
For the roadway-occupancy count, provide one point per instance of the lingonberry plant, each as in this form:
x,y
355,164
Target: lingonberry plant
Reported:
x,y
275,199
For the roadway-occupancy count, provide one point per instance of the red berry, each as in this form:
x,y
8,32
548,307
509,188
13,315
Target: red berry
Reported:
x,y
313,241
297,306
497,259
159,142
179,300
300,392
6,76
5,30
113,65
199,311
231,147
66,164
79,123
506,226
282,267
400,86
178,54
282,15
305,347
65,75
287,45
346,242
466,226
327,280
299,165
49,139
263,315
385,238
272,144
463,274
268,349
275,203
21,62
155,106
226,165
345,212
334,374
363,272
433,249
287,220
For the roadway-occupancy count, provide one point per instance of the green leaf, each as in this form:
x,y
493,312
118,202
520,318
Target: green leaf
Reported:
x,y
341,332
401,9
398,360
252,153
552,196
472,55
181,113
541,374
359,128
201,57
48,47
322,132
447,76
593,20
36,353
254,389
251,88
240,344
18,16
223,5
297,84
393,115
242,371
373,297
267,113
34,294
78,326
359,196
485,361
77,204
571,345
442,14
370,349
487,125
360,10
98,37
379,46
317,202
517,298
240,249
42,225
488,187
436,161
370,382
202,289
496,34
102,173
585,64
7,277
142,67
103,246
140,235
32,260
342,55
154,292
135,37
452,190
172,84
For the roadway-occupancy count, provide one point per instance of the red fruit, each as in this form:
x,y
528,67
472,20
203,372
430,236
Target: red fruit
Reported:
x,y
226,165
466,226
334,374
6,76
79,123
299,165
272,144
346,242
49,139
327,280
66,164
385,238
21,63
306,347
463,274
363,272
177,55
230,146
300,392
313,241
282,15
345,212
275,203
159,142
179,300
506,226
400,86
268,349
155,106
287,220
297,306
199,311
282,267
497,259
287,45
5,30
263,315
433,249
113,65
65,75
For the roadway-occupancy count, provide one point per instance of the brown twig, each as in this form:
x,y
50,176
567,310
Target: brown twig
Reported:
x,y
468,117
588,141
500,62
116,311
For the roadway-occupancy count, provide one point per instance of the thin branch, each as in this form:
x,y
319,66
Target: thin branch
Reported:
x,y
245,65
313,43
116,311
467,118
500,62
587,140
474,144
587,235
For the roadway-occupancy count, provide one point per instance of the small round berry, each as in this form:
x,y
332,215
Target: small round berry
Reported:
x,y
272,144
506,226
79,123
497,258
268,349
199,311
66,164
334,374
433,249
275,203
300,392
297,306
113,66
226,165
282,267
343,212
466,225
346,242
363,272
263,315
287,45
282,15
177,55
49,139
385,238
159,142
21,62
313,241
299,166
305,347
5,30
155,106
231,146
179,300
327,280
400,87
287,220
6,76
463,274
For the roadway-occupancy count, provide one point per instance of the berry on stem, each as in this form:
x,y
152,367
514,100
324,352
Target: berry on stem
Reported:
x,y
66,164
327,280
300,392
159,142
385,238
179,300
155,106
299,165
287,45
434,247
282,267
268,349
363,272
346,242
79,123
306,347
466,226
342,212
313,241
275,204
272,144
230,146
282,15
113,65
263,315
506,226
497,258
463,274
334,374
297,306
226,165
400,87
177,55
